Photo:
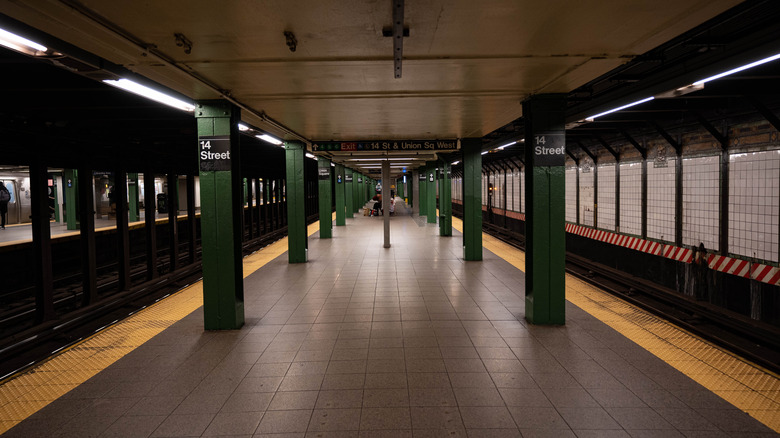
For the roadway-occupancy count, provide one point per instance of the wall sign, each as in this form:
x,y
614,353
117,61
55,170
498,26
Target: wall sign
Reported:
x,y
430,177
549,149
360,179
348,178
214,152
387,145
422,177
338,179
324,173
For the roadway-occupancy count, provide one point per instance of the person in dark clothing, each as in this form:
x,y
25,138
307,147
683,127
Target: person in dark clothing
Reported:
x,y
5,196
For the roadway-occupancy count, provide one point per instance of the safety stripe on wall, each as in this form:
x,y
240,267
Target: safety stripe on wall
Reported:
x,y
728,265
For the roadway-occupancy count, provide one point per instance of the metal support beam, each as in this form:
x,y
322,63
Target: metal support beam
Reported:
x,y
132,191
472,198
296,202
573,157
192,226
635,144
588,152
325,202
41,236
431,191
173,221
122,229
669,139
766,112
398,42
340,197
545,226
87,228
222,207
445,200
722,139
349,193
608,148
150,226
386,201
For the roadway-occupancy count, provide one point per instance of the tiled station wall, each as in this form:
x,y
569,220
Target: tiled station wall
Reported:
x,y
595,190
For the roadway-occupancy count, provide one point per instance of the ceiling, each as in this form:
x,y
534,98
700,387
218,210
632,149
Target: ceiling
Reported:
x,y
467,65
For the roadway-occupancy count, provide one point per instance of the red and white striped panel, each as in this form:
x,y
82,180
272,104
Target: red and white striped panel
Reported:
x,y
766,274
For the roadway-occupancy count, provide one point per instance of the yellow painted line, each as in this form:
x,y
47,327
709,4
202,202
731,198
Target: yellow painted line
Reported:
x,y
747,386
31,390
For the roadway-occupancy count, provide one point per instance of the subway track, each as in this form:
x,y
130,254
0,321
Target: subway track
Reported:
x,y
752,340
20,350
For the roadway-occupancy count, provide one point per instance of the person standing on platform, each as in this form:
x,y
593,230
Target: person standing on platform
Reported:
x,y
5,196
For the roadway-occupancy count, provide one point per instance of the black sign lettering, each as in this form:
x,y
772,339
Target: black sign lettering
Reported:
x,y
549,149
214,153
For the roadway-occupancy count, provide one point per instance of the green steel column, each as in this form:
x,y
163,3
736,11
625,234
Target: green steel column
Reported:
x,y
349,195
56,199
326,219
545,252
356,205
445,200
221,214
70,182
430,192
296,202
340,192
472,198
132,193
422,178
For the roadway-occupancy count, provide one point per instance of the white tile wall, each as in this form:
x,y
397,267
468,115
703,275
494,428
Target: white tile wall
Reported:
x,y
521,183
753,204
586,197
701,201
484,189
660,200
510,194
606,197
501,192
571,194
631,198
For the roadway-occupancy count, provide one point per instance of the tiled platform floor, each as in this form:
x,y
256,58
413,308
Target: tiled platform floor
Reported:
x,y
400,342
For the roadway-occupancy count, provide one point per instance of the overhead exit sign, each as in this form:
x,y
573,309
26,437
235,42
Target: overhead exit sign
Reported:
x,y
386,145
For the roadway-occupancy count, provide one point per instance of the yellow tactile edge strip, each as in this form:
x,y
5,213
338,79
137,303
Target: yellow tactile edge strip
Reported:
x,y
749,387
24,394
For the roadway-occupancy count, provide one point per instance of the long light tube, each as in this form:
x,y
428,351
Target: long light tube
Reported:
x,y
310,155
269,139
455,162
143,90
21,44
242,127
647,99
738,69
507,145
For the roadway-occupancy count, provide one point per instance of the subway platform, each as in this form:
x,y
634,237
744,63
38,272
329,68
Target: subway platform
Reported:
x,y
409,341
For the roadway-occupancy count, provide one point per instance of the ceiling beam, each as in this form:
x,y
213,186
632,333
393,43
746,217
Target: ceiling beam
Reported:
x,y
765,112
635,144
722,139
608,148
669,139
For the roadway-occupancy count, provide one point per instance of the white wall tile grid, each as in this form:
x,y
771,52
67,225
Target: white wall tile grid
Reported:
x,y
605,203
754,190
701,201
586,196
660,200
570,177
510,191
631,198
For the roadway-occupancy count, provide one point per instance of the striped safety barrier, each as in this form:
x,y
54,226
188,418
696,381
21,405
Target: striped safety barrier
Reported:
x,y
728,265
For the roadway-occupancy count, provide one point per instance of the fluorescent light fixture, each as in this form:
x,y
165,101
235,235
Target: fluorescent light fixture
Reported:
x,y
378,159
143,90
483,153
738,69
455,162
506,145
310,155
242,127
332,165
269,139
647,99
21,44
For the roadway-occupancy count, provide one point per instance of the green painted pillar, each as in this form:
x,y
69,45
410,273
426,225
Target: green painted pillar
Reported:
x,y
430,191
349,192
70,182
423,176
340,193
296,202
445,200
545,252
323,177
358,184
472,198
221,214
132,193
